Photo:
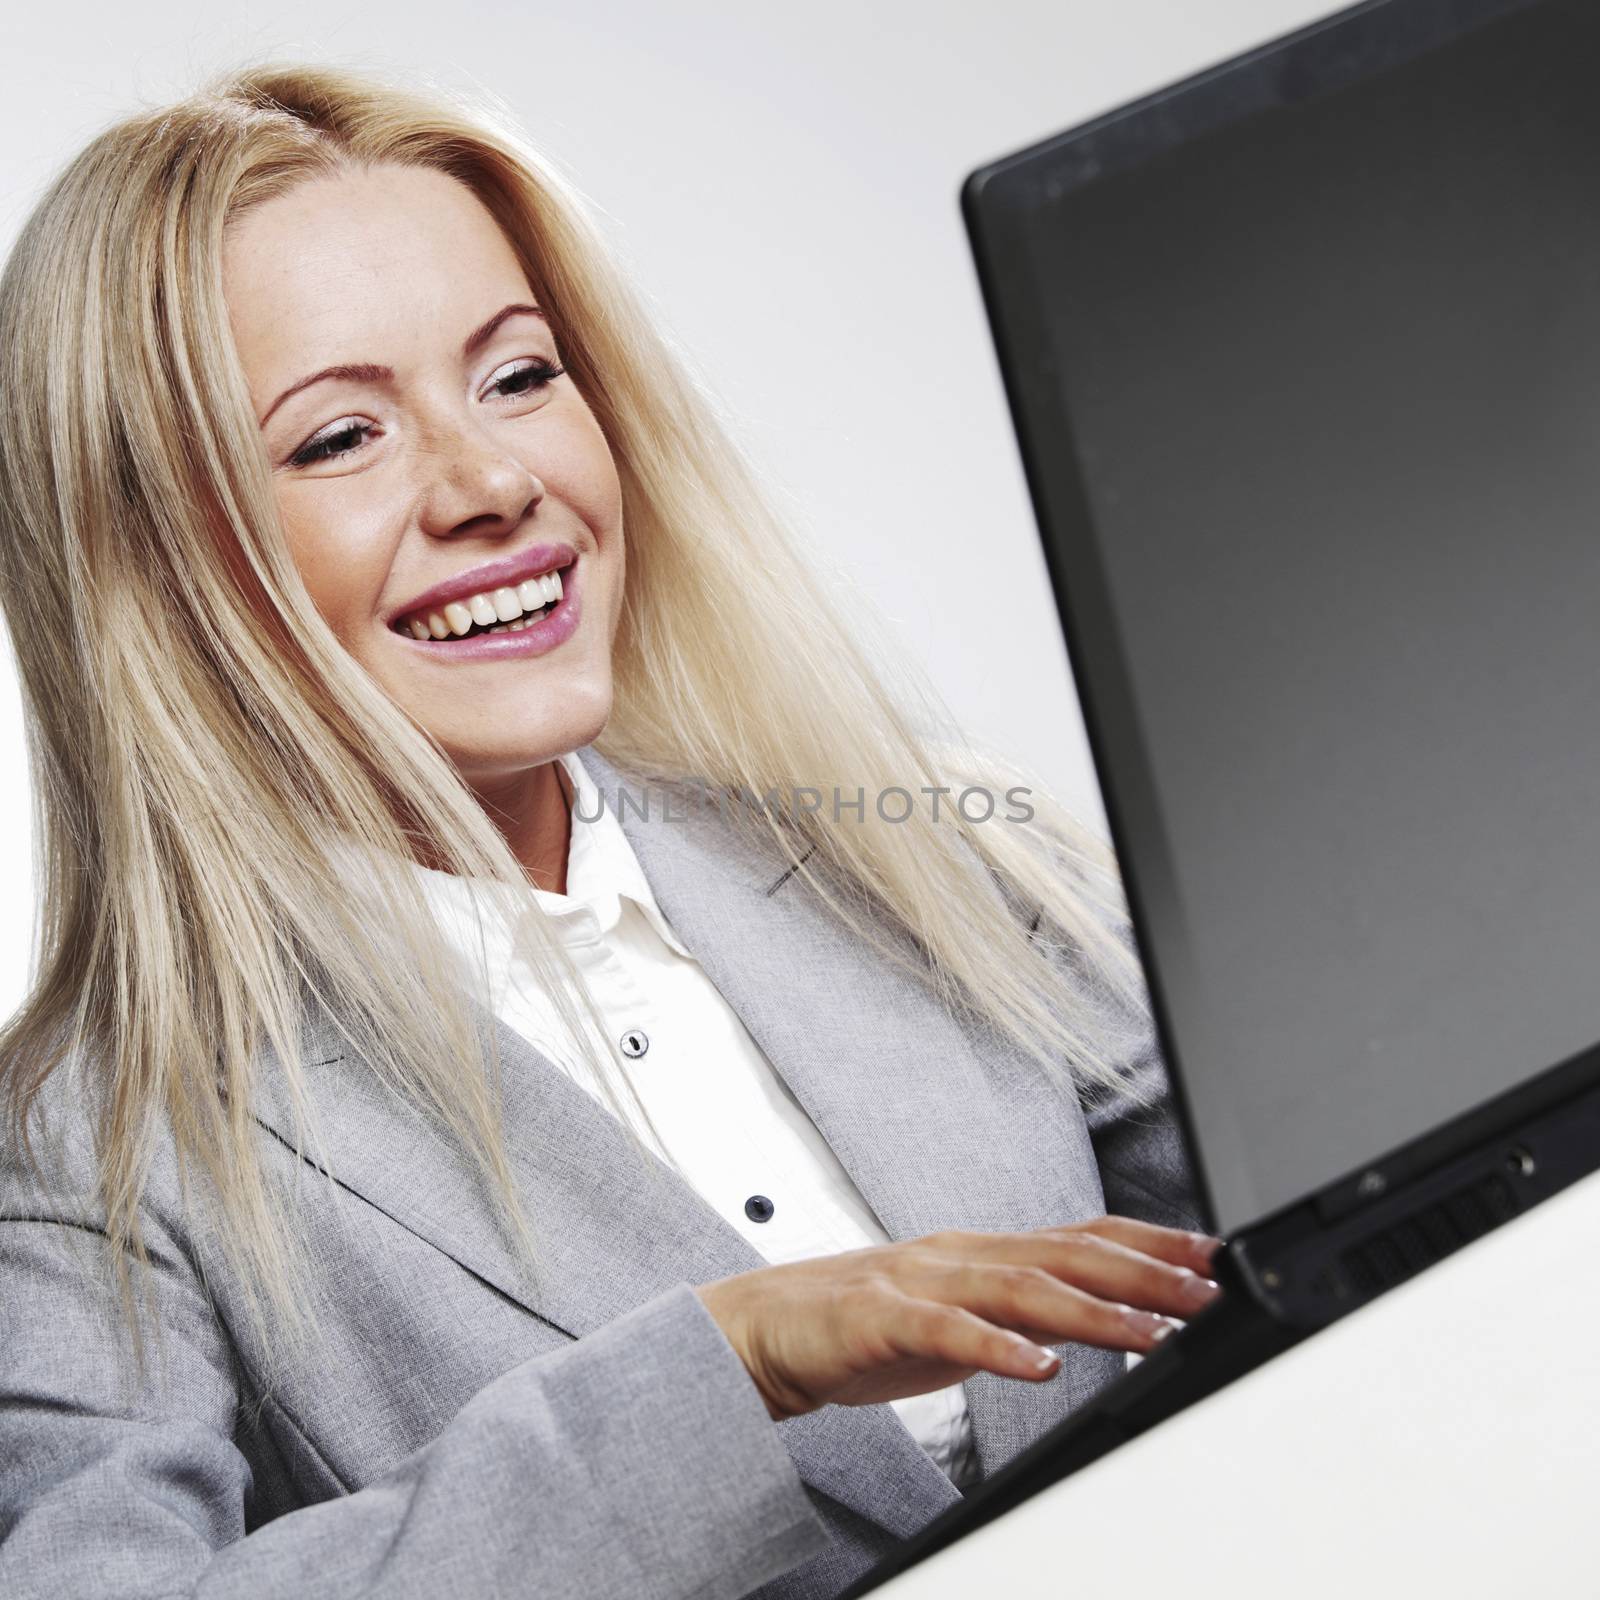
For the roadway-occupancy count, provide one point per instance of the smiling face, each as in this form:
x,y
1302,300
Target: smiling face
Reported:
x,y
449,442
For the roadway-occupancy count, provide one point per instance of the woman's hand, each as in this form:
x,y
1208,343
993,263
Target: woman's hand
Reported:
x,y
903,1319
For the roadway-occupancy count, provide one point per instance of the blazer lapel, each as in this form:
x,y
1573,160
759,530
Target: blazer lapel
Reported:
x,y
940,1125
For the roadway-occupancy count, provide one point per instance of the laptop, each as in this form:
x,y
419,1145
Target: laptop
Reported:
x,y
1303,357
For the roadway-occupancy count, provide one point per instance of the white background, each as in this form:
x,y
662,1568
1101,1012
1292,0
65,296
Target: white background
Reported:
x,y
782,180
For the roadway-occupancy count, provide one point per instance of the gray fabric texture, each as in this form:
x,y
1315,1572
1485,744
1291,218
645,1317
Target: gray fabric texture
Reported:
x,y
462,1434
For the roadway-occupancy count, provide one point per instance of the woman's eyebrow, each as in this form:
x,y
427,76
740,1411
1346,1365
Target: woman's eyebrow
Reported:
x,y
368,372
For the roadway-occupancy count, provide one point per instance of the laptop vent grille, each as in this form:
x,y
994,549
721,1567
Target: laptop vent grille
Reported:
x,y
1429,1235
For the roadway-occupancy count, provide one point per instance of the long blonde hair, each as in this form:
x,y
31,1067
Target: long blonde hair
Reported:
x,y
202,747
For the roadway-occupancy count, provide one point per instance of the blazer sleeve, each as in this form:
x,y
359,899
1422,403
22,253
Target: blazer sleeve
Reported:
x,y
638,1461
1144,1163
1145,1169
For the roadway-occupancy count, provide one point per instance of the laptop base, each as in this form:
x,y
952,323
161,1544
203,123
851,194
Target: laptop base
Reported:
x,y
1294,1273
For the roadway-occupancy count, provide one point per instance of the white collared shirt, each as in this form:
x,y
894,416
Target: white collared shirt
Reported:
x,y
731,1124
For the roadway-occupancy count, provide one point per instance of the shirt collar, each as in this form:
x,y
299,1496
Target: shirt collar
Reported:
x,y
602,869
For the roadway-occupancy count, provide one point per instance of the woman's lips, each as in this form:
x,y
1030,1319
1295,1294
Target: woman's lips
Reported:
x,y
552,629
505,573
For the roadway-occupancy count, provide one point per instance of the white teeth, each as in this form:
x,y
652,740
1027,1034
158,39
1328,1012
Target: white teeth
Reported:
x,y
498,610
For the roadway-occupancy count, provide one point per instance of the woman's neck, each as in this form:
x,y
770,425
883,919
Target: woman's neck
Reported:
x,y
534,812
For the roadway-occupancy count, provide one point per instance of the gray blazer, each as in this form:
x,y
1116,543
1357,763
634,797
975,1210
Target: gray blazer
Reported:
x,y
456,1436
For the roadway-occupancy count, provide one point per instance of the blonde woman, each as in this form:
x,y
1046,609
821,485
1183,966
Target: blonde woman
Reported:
x,y
481,1124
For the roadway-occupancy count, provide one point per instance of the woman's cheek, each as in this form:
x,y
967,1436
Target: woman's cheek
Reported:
x,y
578,467
343,568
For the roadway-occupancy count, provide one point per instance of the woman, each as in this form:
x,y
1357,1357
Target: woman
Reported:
x,y
387,1203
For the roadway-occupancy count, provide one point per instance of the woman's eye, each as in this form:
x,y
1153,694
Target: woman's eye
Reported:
x,y
528,378
349,436
343,440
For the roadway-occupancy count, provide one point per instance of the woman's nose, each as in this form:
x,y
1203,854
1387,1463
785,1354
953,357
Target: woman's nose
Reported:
x,y
474,485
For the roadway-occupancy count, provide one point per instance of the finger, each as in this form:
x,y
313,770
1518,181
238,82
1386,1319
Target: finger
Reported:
x,y
1112,1271
1031,1301
1197,1251
933,1330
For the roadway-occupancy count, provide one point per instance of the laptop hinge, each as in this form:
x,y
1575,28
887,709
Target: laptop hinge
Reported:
x,y
1318,1260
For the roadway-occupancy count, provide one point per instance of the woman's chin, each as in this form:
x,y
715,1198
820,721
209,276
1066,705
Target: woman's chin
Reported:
x,y
517,741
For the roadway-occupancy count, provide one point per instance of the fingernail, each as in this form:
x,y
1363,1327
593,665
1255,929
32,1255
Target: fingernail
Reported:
x,y
1034,1356
1198,1291
1148,1323
1164,1330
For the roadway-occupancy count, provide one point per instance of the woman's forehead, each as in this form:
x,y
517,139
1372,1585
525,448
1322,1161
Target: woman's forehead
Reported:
x,y
390,254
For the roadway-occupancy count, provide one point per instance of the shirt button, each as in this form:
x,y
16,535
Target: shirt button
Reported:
x,y
758,1208
635,1042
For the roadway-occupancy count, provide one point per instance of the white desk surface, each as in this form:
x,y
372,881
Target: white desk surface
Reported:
x,y
1444,1440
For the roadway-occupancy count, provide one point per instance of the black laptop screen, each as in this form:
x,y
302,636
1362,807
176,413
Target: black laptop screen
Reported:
x,y
1311,401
